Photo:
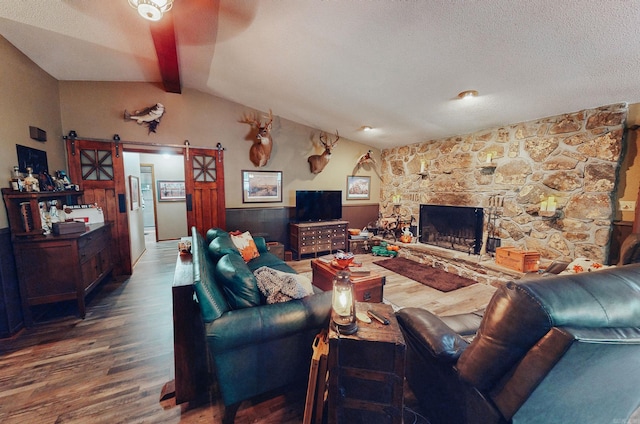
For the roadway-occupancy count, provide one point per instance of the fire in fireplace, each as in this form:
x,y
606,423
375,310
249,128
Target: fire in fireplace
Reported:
x,y
452,227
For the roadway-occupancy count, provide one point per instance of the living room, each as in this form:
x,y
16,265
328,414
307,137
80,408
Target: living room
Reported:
x,y
559,154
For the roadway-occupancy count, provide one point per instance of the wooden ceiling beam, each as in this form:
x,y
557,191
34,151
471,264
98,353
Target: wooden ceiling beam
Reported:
x,y
164,40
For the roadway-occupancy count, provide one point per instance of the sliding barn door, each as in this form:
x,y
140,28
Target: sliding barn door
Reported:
x,y
204,184
98,168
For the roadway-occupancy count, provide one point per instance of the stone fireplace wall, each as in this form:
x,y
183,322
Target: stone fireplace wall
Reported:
x,y
574,157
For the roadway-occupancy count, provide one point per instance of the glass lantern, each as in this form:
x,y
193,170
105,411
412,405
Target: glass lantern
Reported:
x,y
343,310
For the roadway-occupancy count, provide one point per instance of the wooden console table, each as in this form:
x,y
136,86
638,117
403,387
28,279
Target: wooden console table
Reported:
x,y
189,347
316,237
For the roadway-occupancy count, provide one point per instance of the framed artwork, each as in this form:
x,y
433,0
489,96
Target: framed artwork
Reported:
x,y
171,191
261,186
134,192
358,187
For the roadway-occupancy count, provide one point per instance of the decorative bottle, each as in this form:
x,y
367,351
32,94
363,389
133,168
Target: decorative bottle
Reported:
x,y
16,179
30,182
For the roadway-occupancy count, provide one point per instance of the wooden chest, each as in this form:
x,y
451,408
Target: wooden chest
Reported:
x,y
359,247
517,259
366,371
276,248
368,288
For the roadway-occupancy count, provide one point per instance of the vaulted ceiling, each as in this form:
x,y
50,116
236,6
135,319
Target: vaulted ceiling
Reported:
x,y
394,65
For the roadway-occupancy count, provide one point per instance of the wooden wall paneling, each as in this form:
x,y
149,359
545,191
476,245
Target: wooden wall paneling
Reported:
x,y
270,223
11,319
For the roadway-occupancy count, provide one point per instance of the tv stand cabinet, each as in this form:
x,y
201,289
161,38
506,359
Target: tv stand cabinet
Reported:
x,y
317,237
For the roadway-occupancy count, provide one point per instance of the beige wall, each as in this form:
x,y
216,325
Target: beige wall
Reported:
x,y
95,110
134,216
28,97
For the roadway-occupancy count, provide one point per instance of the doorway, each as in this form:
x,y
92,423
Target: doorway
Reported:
x,y
147,187
166,217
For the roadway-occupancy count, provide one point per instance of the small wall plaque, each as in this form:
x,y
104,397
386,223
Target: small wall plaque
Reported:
x,y
37,134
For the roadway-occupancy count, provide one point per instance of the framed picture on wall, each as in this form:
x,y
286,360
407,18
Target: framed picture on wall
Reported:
x,y
358,187
171,191
261,186
134,192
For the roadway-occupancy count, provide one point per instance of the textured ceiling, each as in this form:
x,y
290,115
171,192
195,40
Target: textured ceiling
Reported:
x,y
394,65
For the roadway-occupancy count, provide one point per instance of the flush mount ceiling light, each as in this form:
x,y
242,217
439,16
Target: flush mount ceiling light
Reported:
x,y
468,94
366,128
151,9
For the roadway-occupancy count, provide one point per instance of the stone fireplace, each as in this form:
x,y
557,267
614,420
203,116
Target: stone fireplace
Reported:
x,y
570,160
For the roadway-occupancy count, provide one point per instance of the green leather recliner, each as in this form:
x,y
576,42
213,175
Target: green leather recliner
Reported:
x,y
562,349
254,347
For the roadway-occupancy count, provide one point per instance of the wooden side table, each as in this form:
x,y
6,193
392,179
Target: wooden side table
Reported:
x,y
366,371
368,288
191,381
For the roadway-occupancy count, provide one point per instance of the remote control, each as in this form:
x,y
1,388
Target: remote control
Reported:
x,y
377,317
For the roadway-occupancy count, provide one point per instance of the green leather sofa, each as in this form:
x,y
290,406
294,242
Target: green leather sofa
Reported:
x,y
254,347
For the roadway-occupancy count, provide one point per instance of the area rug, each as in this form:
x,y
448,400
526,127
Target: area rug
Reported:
x,y
425,274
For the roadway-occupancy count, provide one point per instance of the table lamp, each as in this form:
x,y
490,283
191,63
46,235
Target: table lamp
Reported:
x,y
343,310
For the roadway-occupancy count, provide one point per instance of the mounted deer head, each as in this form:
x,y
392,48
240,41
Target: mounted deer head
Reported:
x,y
318,162
260,135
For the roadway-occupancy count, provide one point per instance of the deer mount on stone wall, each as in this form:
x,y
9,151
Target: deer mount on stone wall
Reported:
x,y
260,135
318,162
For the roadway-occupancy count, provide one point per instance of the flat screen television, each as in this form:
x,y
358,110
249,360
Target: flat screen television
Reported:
x,y
318,205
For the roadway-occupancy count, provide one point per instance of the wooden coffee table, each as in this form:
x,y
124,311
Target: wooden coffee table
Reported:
x,y
368,288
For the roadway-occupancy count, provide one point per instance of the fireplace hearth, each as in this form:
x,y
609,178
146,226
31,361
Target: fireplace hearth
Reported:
x,y
452,227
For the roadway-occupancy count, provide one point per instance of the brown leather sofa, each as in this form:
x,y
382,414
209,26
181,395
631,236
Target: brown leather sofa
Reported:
x,y
561,349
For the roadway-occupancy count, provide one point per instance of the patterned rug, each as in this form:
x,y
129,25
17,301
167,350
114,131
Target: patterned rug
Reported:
x,y
425,274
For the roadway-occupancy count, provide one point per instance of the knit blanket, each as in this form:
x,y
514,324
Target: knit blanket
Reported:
x,y
277,286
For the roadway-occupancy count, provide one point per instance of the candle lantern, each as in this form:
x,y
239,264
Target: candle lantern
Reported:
x,y
343,311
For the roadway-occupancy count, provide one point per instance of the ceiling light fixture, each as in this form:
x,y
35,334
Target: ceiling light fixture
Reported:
x,y
151,9
468,94
366,128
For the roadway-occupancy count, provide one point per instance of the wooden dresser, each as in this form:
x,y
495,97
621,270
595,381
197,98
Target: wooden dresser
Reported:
x,y
53,268
318,237
65,267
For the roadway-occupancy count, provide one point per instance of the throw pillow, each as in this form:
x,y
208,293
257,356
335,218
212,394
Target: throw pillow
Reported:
x,y
246,246
579,265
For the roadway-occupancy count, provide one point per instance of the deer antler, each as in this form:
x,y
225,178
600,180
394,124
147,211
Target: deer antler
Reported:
x,y
251,119
323,137
331,144
336,140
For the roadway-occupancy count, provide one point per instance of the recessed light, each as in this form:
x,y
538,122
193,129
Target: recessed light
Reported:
x,y
468,94
366,128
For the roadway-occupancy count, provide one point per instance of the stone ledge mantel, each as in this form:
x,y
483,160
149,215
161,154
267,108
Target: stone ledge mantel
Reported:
x,y
482,269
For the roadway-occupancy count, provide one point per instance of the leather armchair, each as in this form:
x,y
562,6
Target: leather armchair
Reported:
x,y
563,349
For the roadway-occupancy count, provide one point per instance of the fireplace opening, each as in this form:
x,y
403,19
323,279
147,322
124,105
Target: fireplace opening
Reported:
x,y
452,227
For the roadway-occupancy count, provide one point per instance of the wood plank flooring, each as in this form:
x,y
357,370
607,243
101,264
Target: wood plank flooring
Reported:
x,y
111,366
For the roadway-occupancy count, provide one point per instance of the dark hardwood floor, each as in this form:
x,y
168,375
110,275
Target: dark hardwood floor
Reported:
x,y
111,367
